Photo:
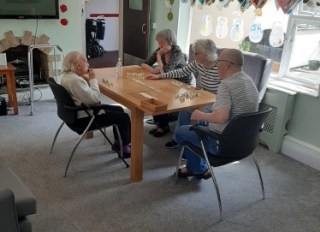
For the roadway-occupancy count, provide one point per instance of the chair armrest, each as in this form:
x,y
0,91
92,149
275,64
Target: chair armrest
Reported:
x,y
75,108
8,214
204,131
97,107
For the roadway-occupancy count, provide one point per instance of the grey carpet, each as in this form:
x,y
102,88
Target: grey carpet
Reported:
x,y
97,195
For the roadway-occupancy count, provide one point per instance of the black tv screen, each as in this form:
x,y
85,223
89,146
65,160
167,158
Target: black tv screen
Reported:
x,y
29,9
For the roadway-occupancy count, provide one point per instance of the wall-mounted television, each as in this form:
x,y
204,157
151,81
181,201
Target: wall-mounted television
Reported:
x,y
29,9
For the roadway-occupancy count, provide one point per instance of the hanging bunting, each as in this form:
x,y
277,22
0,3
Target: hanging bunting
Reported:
x,y
287,6
209,2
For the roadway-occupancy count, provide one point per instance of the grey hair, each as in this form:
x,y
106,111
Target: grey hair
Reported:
x,y
70,61
168,35
207,47
233,55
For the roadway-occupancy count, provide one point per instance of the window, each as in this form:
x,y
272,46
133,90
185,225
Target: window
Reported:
x,y
300,62
291,47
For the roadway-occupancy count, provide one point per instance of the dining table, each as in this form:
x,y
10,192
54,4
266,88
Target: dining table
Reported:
x,y
130,88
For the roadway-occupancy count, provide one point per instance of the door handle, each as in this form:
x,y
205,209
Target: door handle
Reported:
x,y
143,28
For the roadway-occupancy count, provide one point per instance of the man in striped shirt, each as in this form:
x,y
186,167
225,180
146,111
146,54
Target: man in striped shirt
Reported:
x,y
237,94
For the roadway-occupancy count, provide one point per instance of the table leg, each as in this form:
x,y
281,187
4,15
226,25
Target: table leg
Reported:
x,y
12,93
136,144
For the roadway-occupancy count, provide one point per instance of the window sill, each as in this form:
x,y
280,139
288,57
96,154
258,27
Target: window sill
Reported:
x,y
293,86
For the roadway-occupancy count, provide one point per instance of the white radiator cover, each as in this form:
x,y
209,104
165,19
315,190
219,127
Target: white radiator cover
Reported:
x,y
301,151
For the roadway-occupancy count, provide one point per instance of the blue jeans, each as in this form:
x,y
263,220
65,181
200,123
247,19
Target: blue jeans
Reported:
x,y
184,119
195,164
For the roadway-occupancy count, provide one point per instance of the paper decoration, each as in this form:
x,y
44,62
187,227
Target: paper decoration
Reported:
x,y
256,32
206,25
222,27
236,31
169,4
63,8
276,38
64,22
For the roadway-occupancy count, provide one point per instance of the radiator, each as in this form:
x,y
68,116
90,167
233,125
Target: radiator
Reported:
x,y
275,126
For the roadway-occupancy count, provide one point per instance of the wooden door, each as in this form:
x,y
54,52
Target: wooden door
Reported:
x,y
136,30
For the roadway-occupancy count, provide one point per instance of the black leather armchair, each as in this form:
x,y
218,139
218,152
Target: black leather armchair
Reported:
x,y
67,112
238,141
8,214
17,203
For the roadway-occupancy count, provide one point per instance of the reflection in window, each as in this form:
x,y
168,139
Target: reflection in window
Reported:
x,y
136,4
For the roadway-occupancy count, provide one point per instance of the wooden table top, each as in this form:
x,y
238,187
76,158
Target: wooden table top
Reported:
x,y
131,89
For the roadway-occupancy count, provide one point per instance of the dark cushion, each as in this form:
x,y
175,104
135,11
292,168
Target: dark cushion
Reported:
x,y
25,200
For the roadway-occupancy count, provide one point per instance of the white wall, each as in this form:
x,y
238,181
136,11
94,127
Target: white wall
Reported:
x,y
111,38
67,37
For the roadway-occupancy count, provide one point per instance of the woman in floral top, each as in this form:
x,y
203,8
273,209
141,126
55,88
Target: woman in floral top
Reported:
x,y
168,57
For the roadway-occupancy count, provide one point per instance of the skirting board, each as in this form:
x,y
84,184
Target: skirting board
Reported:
x,y
301,151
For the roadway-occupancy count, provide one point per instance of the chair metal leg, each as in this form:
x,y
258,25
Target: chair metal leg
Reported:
x,y
55,137
178,165
103,132
213,179
260,176
77,144
121,146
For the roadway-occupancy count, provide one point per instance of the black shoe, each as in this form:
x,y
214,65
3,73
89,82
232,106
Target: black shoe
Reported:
x,y
172,144
161,131
153,130
205,175
125,155
184,174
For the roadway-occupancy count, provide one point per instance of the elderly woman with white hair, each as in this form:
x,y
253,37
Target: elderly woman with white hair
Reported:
x,y
75,66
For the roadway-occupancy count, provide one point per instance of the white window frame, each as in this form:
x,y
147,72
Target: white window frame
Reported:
x,y
283,79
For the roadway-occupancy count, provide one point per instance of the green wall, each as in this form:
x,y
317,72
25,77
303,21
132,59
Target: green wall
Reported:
x,y
158,15
304,124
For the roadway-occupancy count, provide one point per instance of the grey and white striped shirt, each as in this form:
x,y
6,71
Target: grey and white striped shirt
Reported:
x,y
237,93
207,78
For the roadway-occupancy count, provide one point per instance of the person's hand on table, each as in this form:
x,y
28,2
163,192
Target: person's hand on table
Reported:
x,y
153,77
156,70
